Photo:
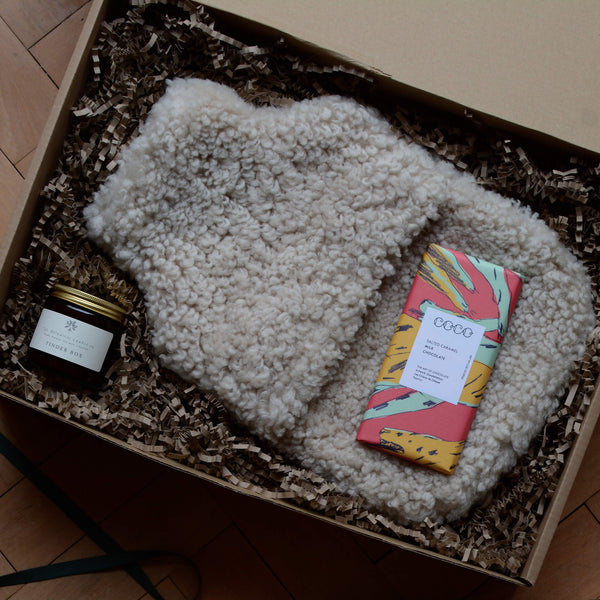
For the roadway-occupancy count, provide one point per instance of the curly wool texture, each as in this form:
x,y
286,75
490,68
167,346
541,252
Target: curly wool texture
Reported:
x,y
275,248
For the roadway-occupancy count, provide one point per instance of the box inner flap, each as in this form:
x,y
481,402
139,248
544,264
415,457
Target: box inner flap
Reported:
x,y
532,65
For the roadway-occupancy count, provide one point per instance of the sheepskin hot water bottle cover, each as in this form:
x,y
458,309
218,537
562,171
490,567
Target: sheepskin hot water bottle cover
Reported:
x,y
275,247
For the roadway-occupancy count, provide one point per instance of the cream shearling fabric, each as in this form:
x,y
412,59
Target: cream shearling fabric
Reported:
x,y
275,248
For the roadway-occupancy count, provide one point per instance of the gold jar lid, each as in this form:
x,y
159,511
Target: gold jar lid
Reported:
x,y
89,301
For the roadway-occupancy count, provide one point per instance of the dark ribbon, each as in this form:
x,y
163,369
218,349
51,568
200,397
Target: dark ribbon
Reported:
x,y
115,557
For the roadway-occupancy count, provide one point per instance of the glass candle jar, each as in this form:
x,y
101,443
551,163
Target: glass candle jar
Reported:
x,y
74,334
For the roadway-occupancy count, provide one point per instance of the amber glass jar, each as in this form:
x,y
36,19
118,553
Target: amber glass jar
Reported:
x,y
74,335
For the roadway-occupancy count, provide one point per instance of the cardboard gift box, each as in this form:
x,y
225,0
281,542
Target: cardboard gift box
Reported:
x,y
365,60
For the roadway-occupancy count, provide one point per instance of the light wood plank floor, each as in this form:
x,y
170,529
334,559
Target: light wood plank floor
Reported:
x,y
244,548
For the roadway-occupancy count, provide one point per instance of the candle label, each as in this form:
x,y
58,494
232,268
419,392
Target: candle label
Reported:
x,y
71,339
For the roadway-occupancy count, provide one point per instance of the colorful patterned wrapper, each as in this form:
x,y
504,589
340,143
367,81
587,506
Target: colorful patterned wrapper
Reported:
x,y
440,358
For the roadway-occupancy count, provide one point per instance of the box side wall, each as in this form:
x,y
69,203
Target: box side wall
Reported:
x,y
390,86
531,570
49,146
523,64
255,494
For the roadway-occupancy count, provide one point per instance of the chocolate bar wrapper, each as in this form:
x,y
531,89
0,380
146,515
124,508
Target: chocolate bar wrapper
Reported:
x,y
440,358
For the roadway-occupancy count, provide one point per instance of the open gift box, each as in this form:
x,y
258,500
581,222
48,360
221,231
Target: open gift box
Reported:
x,y
227,456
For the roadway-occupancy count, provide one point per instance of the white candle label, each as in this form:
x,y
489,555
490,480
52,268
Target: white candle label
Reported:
x,y
71,339
442,355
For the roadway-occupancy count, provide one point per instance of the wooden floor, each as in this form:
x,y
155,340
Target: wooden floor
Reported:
x,y
244,548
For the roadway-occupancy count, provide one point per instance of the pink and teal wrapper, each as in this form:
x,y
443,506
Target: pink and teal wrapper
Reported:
x,y
416,426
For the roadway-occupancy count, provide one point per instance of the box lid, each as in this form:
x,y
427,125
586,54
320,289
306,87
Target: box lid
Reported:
x,y
531,64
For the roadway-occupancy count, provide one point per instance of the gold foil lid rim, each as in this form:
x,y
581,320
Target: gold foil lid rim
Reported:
x,y
89,301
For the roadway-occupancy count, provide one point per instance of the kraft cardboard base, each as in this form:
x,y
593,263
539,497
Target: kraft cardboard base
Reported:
x,y
151,409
